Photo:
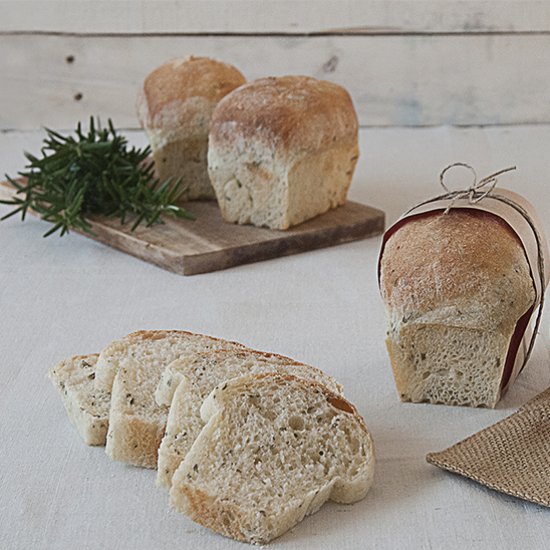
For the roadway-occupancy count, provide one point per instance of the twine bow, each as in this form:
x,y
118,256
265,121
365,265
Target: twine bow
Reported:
x,y
478,189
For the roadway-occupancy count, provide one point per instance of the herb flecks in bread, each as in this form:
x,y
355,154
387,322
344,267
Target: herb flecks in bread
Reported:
x,y
87,408
133,365
454,286
269,445
274,449
194,377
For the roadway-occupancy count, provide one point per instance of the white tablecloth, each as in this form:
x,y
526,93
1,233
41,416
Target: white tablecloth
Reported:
x,y
67,296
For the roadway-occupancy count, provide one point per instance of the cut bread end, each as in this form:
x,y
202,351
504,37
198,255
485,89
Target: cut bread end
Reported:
x,y
185,159
278,194
212,364
274,449
136,423
87,408
139,342
448,365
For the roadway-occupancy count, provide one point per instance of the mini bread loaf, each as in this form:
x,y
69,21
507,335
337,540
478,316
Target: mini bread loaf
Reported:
x,y
455,286
175,107
282,150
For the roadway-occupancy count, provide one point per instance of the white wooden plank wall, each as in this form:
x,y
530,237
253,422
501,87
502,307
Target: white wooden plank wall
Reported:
x,y
406,63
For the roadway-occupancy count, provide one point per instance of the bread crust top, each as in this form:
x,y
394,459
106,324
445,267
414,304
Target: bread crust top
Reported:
x,y
249,354
176,86
467,259
288,112
161,334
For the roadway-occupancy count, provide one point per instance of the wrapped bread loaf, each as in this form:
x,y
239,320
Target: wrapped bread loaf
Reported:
x,y
175,107
459,291
282,150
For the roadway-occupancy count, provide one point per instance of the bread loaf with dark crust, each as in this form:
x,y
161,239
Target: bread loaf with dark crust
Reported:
x,y
175,106
454,286
282,150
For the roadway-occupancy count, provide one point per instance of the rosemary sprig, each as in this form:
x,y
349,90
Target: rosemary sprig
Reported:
x,y
93,173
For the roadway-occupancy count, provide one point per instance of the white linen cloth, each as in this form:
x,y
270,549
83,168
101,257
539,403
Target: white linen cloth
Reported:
x,y
60,297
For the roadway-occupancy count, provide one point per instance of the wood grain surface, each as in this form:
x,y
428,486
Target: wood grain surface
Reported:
x,y
395,80
275,16
209,244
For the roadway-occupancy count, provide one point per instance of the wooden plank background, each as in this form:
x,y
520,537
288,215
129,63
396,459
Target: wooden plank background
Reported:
x,y
406,63
275,16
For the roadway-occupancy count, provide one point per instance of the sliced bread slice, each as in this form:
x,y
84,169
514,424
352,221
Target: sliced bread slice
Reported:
x,y
274,449
203,363
87,408
196,376
136,422
134,344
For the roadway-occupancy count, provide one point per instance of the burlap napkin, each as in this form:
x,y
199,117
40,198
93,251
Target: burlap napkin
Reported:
x,y
512,456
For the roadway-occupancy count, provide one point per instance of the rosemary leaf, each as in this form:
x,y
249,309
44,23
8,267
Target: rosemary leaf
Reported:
x,y
93,172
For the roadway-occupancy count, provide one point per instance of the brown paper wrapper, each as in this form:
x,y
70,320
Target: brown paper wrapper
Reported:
x,y
519,344
512,456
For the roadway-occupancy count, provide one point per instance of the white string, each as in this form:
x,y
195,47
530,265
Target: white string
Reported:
x,y
476,191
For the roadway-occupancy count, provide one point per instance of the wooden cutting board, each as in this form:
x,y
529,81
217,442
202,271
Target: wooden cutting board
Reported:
x,y
210,244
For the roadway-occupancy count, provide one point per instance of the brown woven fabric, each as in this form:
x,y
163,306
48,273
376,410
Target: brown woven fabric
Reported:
x,y
512,456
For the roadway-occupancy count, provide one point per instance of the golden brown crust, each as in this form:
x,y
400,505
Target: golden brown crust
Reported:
x,y
341,404
155,334
208,512
292,112
245,353
440,259
160,334
182,79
